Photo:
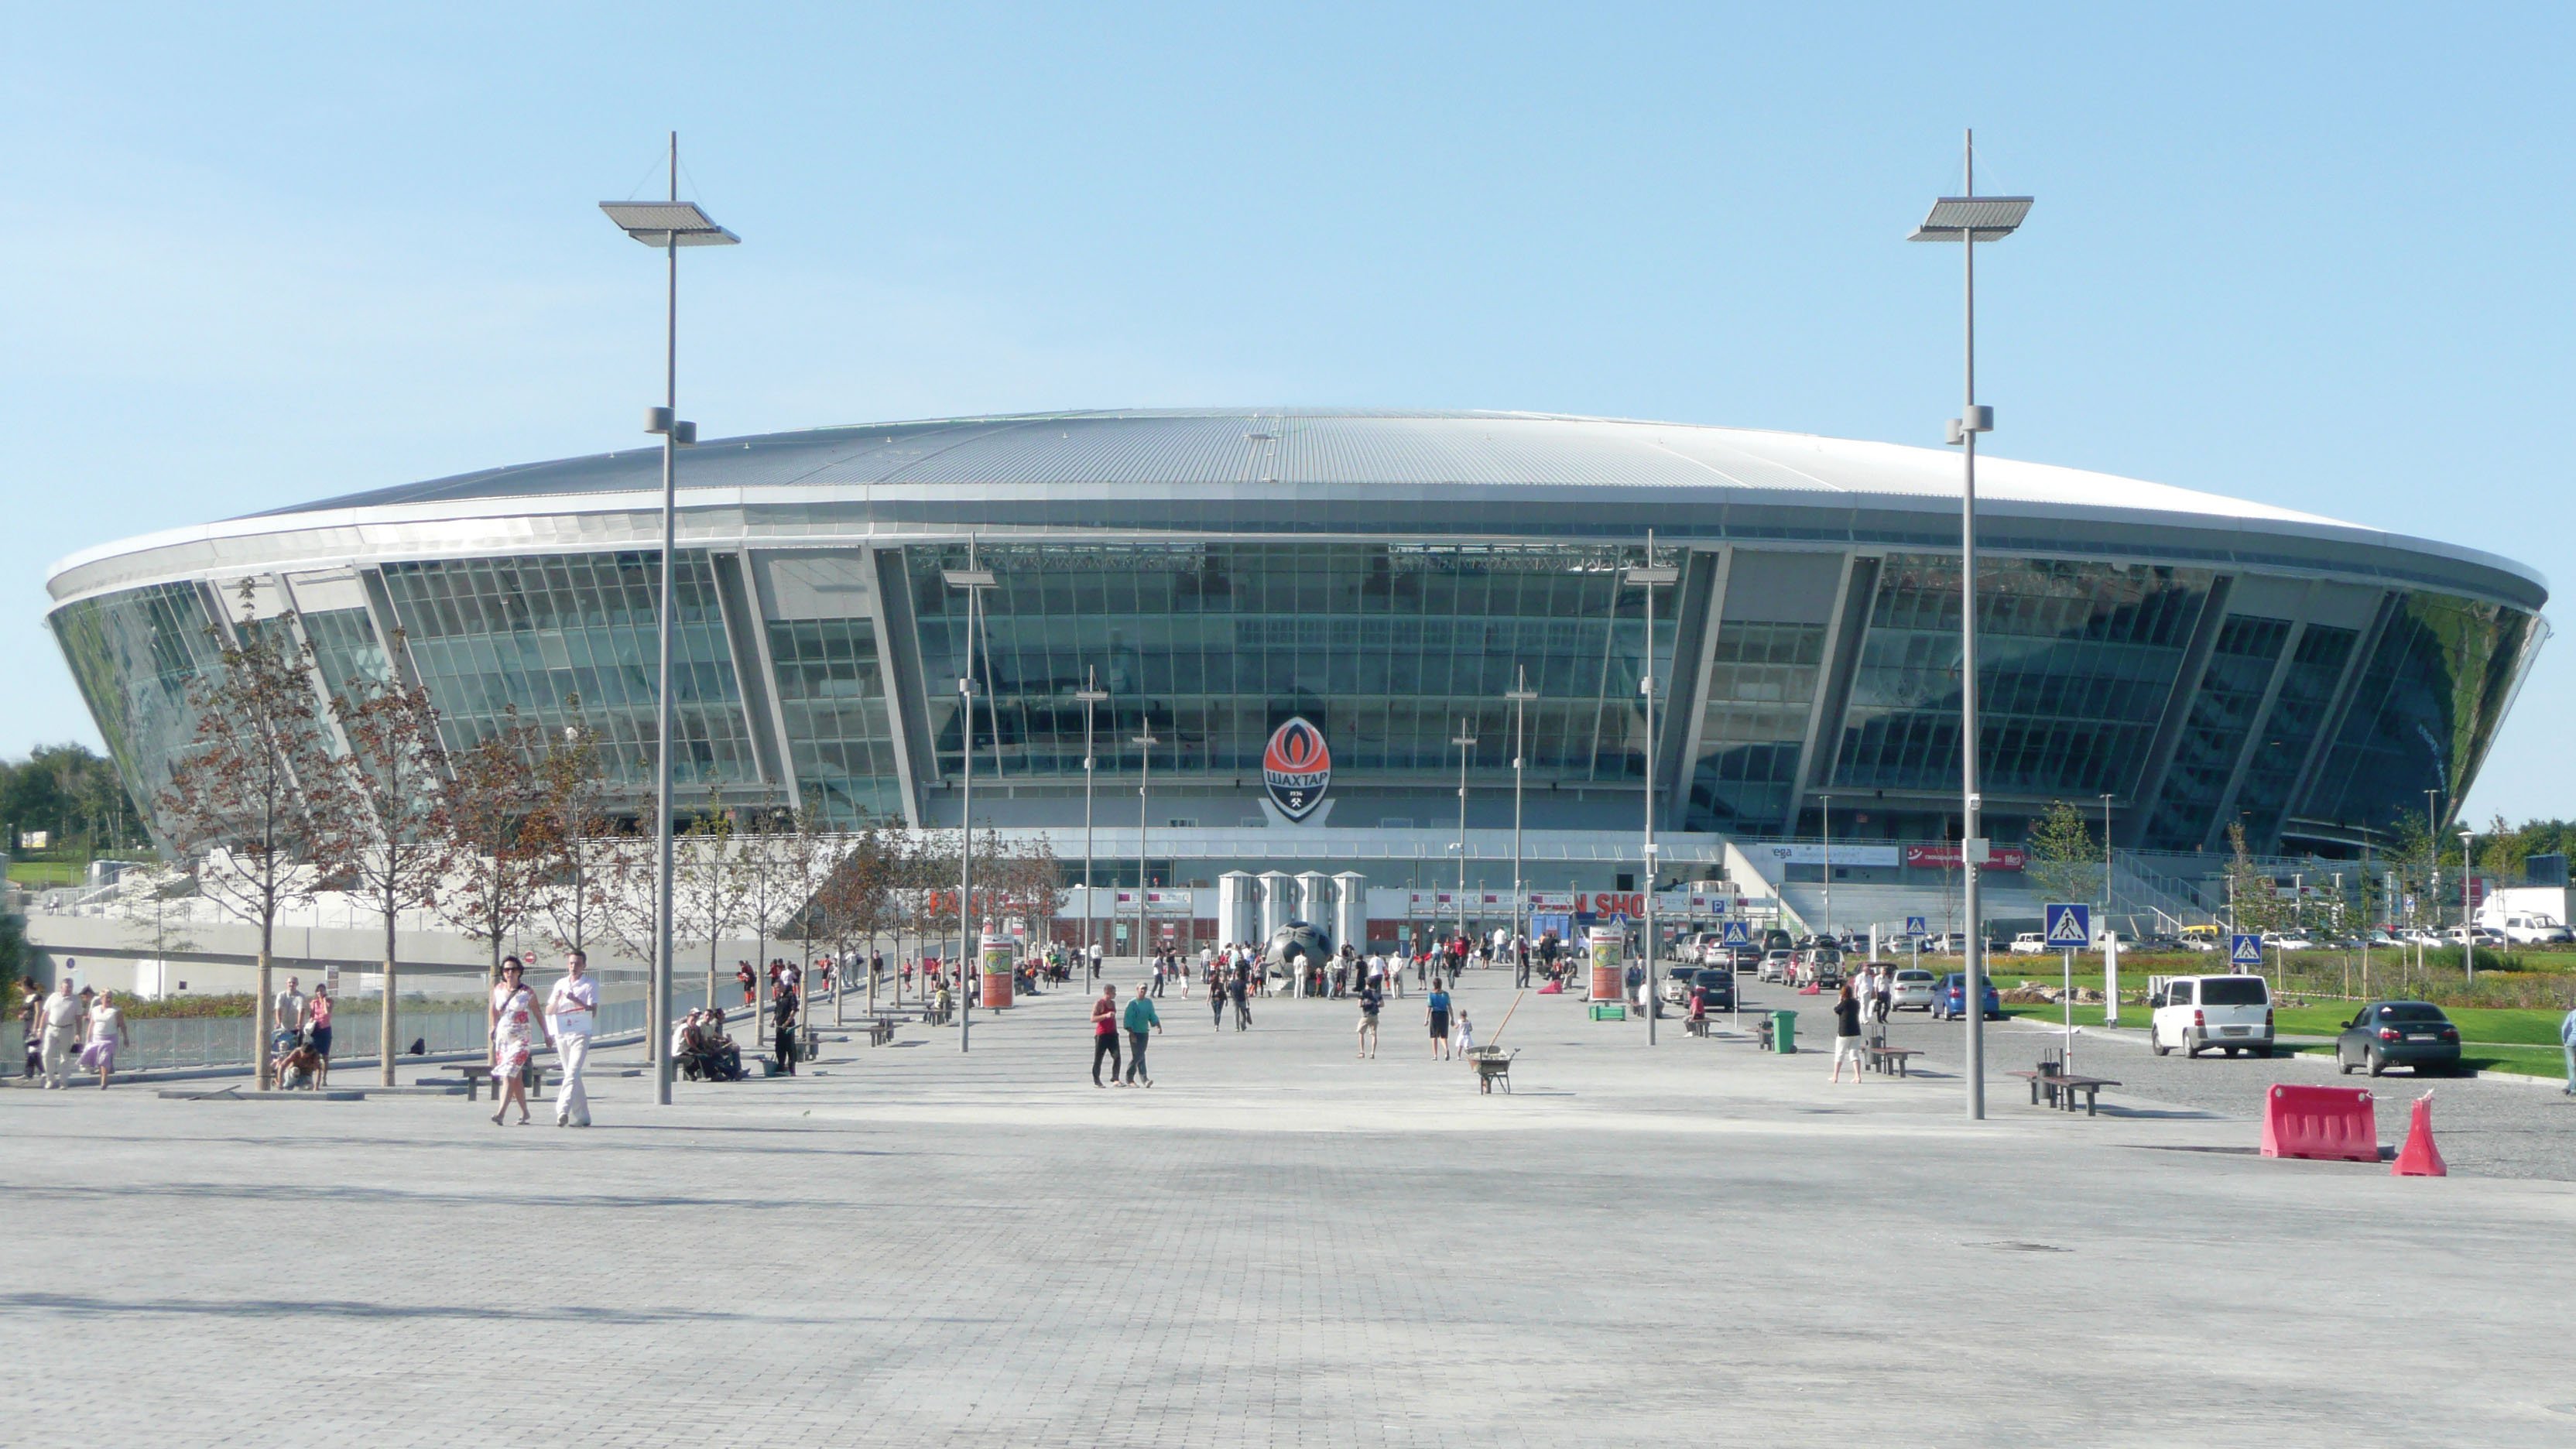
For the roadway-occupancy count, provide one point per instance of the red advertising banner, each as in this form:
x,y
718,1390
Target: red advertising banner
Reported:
x,y
1946,857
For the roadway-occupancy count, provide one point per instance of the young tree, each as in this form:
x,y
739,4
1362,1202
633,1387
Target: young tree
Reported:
x,y
708,884
2065,861
250,800
2254,894
856,899
495,861
394,774
573,836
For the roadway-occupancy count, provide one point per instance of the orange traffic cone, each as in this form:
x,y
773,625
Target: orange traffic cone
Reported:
x,y
2419,1157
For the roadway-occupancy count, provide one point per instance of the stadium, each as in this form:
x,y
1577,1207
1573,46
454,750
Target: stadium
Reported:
x,y
1305,611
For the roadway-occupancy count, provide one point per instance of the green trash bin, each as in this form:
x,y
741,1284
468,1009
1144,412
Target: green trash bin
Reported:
x,y
1784,1032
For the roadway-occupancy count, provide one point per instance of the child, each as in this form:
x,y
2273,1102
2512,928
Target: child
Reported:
x,y
1464,1032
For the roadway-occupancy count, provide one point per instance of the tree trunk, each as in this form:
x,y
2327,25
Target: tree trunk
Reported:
x,y
261,1024
385,1037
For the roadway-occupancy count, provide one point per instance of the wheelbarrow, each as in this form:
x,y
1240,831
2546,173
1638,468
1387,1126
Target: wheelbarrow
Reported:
x,y
1493,1064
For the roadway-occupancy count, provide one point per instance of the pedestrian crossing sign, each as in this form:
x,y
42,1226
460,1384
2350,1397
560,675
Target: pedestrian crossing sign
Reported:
x,y
2069,924
2244,949
1914,926
1737,934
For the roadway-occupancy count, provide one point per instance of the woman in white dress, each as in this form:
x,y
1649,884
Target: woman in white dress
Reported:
x,y
107,1032
517,1026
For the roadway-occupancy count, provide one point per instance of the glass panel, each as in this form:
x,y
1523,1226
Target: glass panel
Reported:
x,y
135,655
1383,646
487,634
832,699
2425,709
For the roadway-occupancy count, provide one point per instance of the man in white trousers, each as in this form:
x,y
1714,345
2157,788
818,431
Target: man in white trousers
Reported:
x,y
572,1013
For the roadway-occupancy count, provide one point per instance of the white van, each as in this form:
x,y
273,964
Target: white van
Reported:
x,y
2030,943
2524,930
2193,1012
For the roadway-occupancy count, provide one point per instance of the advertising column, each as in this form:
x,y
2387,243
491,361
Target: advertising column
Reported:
x,y
997,970
1609,971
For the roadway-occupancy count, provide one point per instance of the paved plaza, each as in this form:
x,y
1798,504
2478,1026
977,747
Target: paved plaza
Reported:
x,y
1278,1244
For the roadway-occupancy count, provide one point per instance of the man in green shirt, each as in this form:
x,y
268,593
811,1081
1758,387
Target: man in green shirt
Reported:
x,y
1141,1021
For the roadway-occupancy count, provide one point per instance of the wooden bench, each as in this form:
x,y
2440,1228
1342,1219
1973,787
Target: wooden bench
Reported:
x,y
478,1073
2060,1088
881,1031
1895,1061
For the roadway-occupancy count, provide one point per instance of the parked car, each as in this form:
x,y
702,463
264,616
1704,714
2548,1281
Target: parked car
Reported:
x,y
1747,958
1822,965
1775,939
1719,984
2291,941
1950,999
2479,935
2420,936
1912,990
2388,1034
2233,1013
1776,965
2030,943
2535,931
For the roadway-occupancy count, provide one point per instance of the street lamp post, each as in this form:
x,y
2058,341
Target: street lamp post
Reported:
x,y
1465,742
1091,695
670,225
1825,803
972,581
1144,741
1650,577
1969,219
2468,930
1520,695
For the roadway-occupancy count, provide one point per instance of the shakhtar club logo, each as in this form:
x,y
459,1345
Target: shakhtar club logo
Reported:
x,y
1295,767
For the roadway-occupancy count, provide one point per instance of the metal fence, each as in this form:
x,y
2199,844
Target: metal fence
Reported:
x,y
225,1041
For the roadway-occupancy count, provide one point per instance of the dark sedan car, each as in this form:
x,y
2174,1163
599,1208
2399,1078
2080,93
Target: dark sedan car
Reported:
x,y
1720,986
2399,1034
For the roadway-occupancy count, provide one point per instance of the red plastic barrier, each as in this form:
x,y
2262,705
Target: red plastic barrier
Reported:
x,y
2419,1157
2335,1123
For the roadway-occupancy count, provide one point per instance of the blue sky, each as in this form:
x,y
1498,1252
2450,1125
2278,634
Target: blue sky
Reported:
x,y
2313,255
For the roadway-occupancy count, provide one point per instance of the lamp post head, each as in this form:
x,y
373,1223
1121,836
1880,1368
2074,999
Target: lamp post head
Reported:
x,y
668,224
1972,218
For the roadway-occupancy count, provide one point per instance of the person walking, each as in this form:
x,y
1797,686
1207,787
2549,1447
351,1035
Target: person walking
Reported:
x,y
1141,1021
1216,995
2567,1044
286,1021
1242,991
1435,1009
783,1044
31,1013
572,1014
1104,1034
317,1032
107,1032
1371,999
63,1017
1847,1033
1463,1033
514,1020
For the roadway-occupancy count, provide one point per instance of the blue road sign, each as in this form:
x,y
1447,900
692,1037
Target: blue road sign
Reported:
x,y
2244,949
1738,933
1914,926
2069,924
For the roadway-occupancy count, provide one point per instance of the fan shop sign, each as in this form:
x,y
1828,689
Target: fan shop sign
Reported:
x,y
1946,857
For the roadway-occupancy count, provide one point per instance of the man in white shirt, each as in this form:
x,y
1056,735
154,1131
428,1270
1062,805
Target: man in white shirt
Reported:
x,y
572,1014
62,1018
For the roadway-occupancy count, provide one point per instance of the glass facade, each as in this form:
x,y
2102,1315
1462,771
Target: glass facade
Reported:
x,y
2282,747
135,655
345,650
566,638
2425,710
1384,647
2075,663
832,700
1387,646
2213,736
1761,685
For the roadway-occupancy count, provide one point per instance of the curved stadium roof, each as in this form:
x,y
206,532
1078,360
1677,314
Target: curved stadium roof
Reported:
x,y
1312,471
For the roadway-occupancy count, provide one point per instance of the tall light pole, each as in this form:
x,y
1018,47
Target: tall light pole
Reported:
x,y
1091,694
1520,695
972,581
1969,219
1144,741
1466,742
2106,859
2468,931
670,225
1826,804
1650,577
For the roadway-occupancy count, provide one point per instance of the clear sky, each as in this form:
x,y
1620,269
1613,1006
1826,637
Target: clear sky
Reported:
x,y
2312,255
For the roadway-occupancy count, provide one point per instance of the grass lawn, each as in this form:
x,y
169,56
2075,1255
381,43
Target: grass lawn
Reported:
x,y
2479,1025
46,872
2529,1061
